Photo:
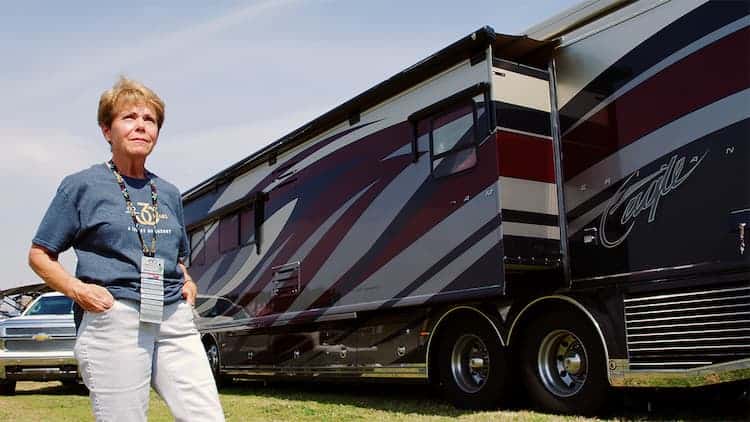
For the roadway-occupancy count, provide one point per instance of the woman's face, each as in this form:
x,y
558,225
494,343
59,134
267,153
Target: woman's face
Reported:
x,y
133,132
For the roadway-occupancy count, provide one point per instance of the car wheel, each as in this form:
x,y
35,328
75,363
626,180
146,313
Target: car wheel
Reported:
x,y
563,364
472,364
7,388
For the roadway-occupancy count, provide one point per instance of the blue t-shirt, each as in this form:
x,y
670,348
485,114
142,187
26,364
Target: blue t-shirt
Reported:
x,y
89,214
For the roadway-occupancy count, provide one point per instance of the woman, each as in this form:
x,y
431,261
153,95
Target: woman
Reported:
x,y
132,292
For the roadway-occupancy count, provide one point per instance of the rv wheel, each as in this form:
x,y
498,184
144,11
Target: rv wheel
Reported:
x,y
472,364
563,364
214,361
7,388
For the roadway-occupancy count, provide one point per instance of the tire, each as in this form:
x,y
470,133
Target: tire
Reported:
x,y
214,361
563,364
7,388
472,364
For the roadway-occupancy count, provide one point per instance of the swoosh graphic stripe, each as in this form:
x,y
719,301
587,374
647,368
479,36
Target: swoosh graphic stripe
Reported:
x,y
689,28
658,143
669,94
433,270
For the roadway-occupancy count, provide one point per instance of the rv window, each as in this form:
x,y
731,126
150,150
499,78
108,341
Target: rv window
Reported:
x,y
455,162
247,227
197,250
454,134
453,129
229,232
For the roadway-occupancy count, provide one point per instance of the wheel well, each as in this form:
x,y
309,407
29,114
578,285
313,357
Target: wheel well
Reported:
x,y
438,330
552,304
207,339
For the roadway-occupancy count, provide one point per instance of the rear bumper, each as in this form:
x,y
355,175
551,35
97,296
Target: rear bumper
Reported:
x,y
621,376
24,366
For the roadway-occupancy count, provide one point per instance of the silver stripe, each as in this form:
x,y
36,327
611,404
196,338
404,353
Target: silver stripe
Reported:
x,y
404,150
528,195
451,271
271,230
239,187
426,251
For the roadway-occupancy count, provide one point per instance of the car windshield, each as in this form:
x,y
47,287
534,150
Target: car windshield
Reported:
x,y
51,305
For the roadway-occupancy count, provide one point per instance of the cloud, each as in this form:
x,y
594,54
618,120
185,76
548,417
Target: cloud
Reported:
x,y
75,69
45,154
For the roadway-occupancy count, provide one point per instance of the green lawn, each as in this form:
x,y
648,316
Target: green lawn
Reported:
x,y
330,402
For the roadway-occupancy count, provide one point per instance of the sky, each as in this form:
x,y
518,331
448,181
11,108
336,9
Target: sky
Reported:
x,y
235,76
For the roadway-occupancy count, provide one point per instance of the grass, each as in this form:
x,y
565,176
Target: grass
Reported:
x,y
51,401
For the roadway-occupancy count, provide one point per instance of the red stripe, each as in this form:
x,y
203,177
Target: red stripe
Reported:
x,y
706,76
525,157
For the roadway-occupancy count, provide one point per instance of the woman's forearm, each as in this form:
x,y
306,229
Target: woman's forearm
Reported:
x,y
49,269
89,296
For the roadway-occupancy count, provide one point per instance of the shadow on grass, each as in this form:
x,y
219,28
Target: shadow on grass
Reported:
x,y
717,404
401,398
52,389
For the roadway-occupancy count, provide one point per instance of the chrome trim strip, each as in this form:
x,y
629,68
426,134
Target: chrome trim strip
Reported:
x,y
686,317
690,324
702,292
407,371
673,333
661,349
687,340
437,324
683,302
577,304
673,310
705,375
669,363
642,272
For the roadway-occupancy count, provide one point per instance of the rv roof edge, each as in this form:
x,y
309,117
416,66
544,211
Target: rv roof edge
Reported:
x,y
510,47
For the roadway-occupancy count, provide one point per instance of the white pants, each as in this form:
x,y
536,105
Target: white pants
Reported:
x,y
119,358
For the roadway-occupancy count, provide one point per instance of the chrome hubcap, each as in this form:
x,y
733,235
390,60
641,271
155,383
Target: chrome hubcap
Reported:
x,y
213,358
562,363
470,363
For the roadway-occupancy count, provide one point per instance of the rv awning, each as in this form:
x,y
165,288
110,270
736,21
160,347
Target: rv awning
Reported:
x,y
524,50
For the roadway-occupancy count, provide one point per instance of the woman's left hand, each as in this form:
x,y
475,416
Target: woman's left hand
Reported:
x,y
189,291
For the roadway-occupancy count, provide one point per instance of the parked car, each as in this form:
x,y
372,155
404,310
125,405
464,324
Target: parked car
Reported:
x,y
38,344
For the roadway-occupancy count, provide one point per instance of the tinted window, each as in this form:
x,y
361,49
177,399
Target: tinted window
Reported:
x,y
51,305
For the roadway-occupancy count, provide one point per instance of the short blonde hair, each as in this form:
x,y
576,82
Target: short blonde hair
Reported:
x,y
126,92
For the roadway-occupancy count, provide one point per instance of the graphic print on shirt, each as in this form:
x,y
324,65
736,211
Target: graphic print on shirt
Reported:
x,y
146,214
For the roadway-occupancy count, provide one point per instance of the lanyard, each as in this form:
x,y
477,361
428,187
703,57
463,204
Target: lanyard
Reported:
x,y
150,252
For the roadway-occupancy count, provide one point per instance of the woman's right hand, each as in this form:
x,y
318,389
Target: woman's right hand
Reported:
x,y
92,298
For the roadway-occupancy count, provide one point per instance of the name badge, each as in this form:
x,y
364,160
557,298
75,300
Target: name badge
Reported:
x,y
152,289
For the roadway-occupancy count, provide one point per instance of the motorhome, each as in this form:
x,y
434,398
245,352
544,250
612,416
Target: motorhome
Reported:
x,y
562,212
